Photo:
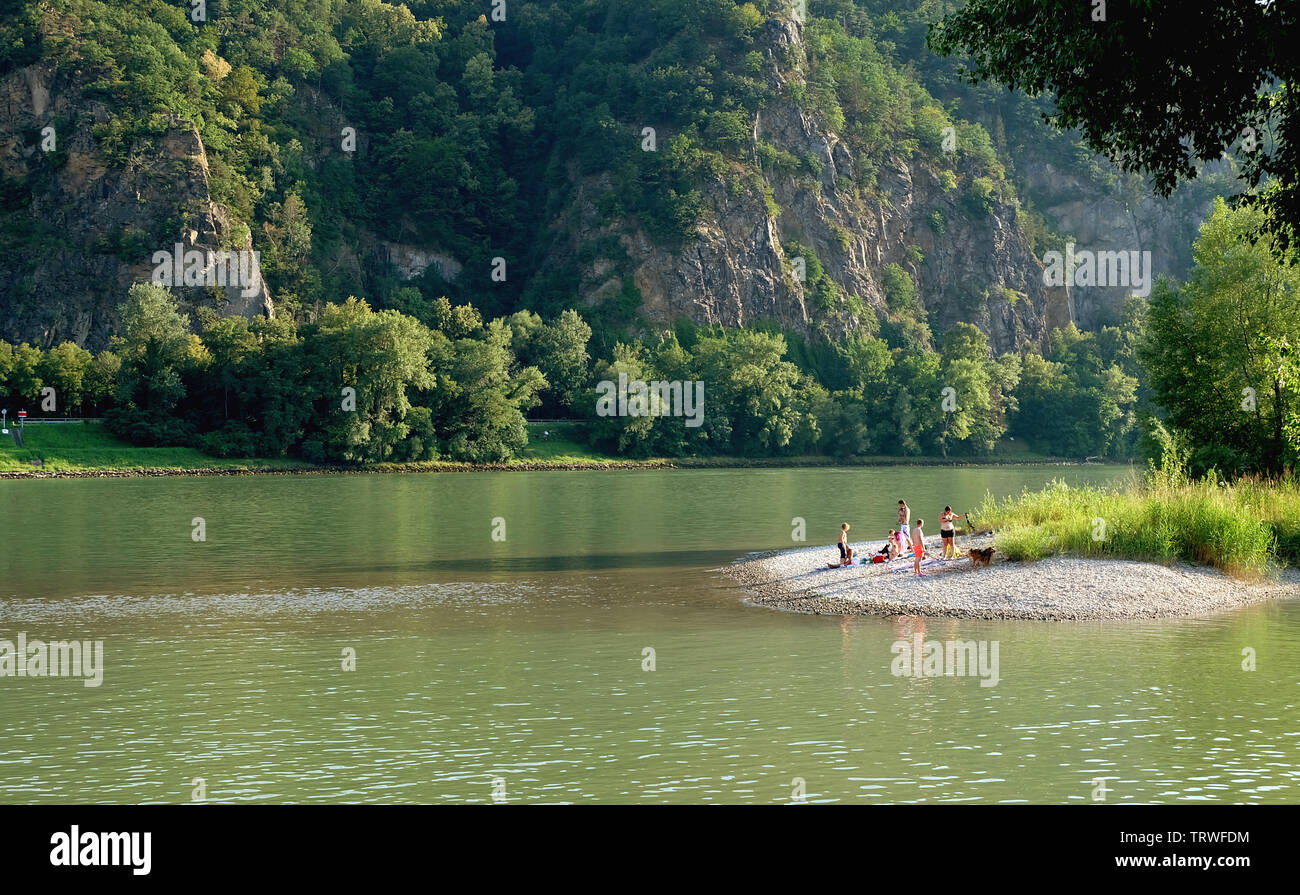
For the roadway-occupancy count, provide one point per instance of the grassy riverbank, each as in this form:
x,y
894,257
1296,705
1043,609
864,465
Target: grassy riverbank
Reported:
x,y
71,449
86,447
1247,529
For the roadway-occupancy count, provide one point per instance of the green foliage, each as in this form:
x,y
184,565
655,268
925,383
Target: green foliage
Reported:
x,y
65,368
1082,399
365,386
155,350
1220,350
980,196
1112,84
1247,529
899,288
20,373
981,390
558,350
472,135
356,386
382,356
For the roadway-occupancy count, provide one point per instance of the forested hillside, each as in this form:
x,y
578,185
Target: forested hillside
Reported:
x,y
667,170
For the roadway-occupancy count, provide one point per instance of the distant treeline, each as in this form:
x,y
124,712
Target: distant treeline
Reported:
x,y
361,385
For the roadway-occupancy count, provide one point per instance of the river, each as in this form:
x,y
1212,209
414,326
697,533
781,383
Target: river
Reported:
x,y
504,626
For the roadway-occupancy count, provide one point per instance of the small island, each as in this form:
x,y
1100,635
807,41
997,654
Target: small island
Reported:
x,y
1068,554
1062,588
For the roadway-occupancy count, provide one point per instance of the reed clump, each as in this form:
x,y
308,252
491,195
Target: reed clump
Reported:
x,y
1249,528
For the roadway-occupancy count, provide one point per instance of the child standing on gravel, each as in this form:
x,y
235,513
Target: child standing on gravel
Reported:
x,y
918,548
846,552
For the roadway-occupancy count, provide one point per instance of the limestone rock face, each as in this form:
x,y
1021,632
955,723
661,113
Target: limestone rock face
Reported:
x,y
111,214
1120,220
411,261
738,265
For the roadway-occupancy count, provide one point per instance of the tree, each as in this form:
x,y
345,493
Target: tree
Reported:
x,y
1217,348
1079,401
845,424
482,395
64,368
748,385
277,392
557,349
976,417
380,356
100,383
231,343
1044,394
155,349
457,322
20,371
916,408
868,360
631,435
1156,87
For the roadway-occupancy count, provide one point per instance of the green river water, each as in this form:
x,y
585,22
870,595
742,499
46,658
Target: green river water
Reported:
x,y
516,666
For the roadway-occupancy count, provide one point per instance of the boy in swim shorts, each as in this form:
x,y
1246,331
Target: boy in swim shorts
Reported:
x,y
918,548
846,552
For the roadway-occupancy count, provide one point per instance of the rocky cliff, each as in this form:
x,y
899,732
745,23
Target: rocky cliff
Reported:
x,y
738,266
102,214
1127,218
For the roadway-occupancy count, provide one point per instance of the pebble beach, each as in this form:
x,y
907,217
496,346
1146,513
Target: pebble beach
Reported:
x,y
1060,588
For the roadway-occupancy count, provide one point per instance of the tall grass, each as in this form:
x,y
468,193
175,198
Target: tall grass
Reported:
x,y
1247,528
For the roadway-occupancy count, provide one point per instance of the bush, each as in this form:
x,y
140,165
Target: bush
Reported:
x,y
980,196
1248,529
145,429
234,439
1025,544
900,290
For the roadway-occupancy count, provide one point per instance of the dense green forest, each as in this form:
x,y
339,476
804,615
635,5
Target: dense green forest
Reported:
x,y
466,128
358,384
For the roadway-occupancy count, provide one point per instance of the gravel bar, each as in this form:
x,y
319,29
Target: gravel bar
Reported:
x,y
1062,588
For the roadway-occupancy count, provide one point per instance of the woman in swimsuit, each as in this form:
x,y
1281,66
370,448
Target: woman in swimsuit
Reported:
x,y
947,533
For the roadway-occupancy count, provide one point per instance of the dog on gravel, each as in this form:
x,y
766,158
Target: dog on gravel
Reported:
x,y
981,557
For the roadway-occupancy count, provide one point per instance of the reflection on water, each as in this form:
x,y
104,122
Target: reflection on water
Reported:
x,y
524,661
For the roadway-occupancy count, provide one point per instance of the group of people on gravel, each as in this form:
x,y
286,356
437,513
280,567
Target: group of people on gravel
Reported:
x,y
901,540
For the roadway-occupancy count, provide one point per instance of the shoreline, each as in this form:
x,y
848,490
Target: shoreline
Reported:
x,y
538,466
1058,588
